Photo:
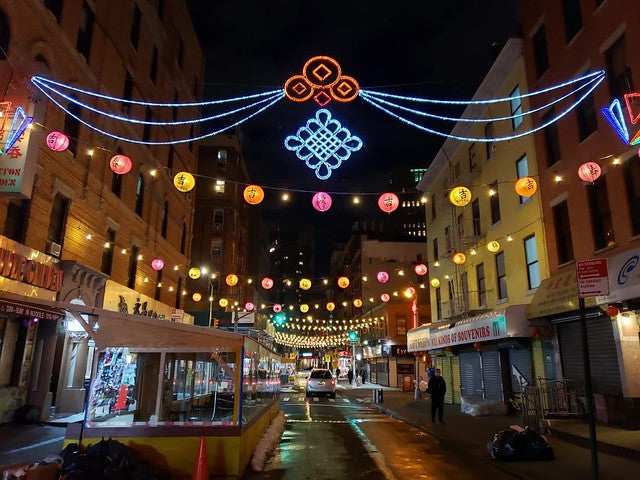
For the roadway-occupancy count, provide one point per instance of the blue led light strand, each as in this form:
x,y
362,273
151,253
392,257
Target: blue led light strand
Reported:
x,y
373,102
151,122
597,73
277,97
477,120
45,80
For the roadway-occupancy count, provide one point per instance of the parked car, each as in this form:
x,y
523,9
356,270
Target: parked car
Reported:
x,y
321,382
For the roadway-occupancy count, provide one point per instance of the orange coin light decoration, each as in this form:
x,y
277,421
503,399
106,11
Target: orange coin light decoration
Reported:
x,y
331,306
194,273
304,308
184,182
459,258
343,282
388,202
253,194
384,297
493,246
421,269
231,280
305,283
460,196
589,171
223,302
196,297
357,302
435,283
120,164
267,283
526,186
57,141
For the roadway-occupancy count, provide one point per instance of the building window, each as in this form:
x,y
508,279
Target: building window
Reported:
x,y
72,126
494,201
135,27
139,195
133,267
183,238
85,31
165,219
116,184
222,158
5,36
436,253
219,187
472,158
15,223
632,179
572,18
540,52
146,130
601,222
158,291
531,257
161,8
58,219
180,53
448,238
218,219
55,7
127,92
551,138
482,285
489,134
586,115
460,222
153,71
475,213
174,109
179,292
456,171
107,253
216,250
516,107
433,207
562,226
438,304
501,274
522,170
170,160
401,325
618,72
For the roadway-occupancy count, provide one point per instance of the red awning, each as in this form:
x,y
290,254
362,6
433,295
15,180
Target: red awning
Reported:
x,y
27,309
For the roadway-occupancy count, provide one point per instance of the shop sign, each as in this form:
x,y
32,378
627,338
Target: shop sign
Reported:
x,y
34,311
624,277
479,330
20,268
418,339
177,315
556,294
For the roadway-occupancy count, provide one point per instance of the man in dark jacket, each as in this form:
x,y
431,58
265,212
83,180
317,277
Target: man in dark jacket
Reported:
x,y
437,388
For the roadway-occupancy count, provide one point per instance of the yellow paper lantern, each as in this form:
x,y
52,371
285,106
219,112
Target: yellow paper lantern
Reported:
x,y
194,273
493,246
253,194
357,303
526,186
184,181
304,308
223,302
343,282
331,306
460,196
435,283
231,280
459,258
305,283
196,297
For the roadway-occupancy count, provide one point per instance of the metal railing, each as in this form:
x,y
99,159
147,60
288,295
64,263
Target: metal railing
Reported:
x,y
550,399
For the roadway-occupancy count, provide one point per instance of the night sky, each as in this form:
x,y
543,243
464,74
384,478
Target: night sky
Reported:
x,y
420,47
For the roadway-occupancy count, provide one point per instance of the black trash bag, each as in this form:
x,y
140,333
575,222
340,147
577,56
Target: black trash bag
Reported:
x,y
536,446
506,445
113,458
76,464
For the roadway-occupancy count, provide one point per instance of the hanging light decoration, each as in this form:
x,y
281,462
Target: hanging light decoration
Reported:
x,y
120,164
249,306
194,273
253,194
277,308
460,196
305,283
343,282
223,302
388,202
267,283
184,181
196,297
589,171
382,276
493,246
421,269
304,308
357,302
331,306
157,264
384,297
613,311
57,141
231,280
459,258
526,186
321,201
435,283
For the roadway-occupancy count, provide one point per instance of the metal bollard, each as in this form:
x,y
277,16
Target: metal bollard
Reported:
x,y
374,395
380,395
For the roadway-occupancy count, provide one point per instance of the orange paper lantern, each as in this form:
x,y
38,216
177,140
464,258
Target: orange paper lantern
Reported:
x,y
526,186
231,280
253,194
343,282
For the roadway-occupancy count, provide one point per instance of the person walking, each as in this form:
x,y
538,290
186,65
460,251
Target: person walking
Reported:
x,y
437,388
350,376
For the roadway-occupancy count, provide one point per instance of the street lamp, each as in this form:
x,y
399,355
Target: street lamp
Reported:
x,y
413,295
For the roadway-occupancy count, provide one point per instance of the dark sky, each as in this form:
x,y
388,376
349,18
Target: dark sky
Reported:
x,y
421,47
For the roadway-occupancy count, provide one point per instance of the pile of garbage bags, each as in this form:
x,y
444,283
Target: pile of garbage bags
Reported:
x,y
519,443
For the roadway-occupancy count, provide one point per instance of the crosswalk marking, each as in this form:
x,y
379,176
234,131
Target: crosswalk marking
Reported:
x,y
316,399
346,400
332,400
301,399
285,399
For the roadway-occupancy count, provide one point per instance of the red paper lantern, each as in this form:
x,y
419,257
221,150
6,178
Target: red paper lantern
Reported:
x,y
277,308
384,297
388,202
267,283
157,264
613,311
57,141
421,269
589,171
120,164
477,346
321,201
249,306
382,276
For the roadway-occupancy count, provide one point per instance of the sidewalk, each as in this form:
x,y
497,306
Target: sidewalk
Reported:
x,y
471,434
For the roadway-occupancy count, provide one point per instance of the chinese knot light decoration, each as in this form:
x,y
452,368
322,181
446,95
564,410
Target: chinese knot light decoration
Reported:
x,y
304,308
460,196
421,269
231,280
249,306
57,141
321,201
253,194
196,297
357,302
384,297
267,283
223,302
305,283
388,202
343,282
382,276
157,264
331,306
435,283
589,171
194,273
184,181
493,246
120,164
459,258
526,186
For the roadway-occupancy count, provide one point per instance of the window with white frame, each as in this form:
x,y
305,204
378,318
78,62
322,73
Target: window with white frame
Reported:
x,y
522,170
531,257
516,107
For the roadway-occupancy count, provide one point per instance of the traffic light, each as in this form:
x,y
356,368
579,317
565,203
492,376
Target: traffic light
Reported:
x,y
279,319
353,337
215,323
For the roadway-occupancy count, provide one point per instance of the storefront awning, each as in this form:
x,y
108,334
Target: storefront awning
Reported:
x,y
556,294
624,277
28,309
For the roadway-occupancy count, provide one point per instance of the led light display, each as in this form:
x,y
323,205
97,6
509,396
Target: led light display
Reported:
x,y
613,115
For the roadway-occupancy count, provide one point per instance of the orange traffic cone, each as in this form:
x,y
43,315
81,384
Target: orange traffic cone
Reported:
x,y
201,469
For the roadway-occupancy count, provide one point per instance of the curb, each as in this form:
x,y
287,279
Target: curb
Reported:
x,y
616,450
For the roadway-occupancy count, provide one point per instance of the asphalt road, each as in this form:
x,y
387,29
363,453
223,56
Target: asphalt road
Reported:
x,y
343,438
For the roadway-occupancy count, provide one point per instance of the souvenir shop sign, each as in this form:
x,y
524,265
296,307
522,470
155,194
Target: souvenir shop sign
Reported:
x,y
480,330
20,268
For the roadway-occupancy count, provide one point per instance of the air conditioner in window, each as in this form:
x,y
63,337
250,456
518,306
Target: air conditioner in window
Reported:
x,y
54,249
217,226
